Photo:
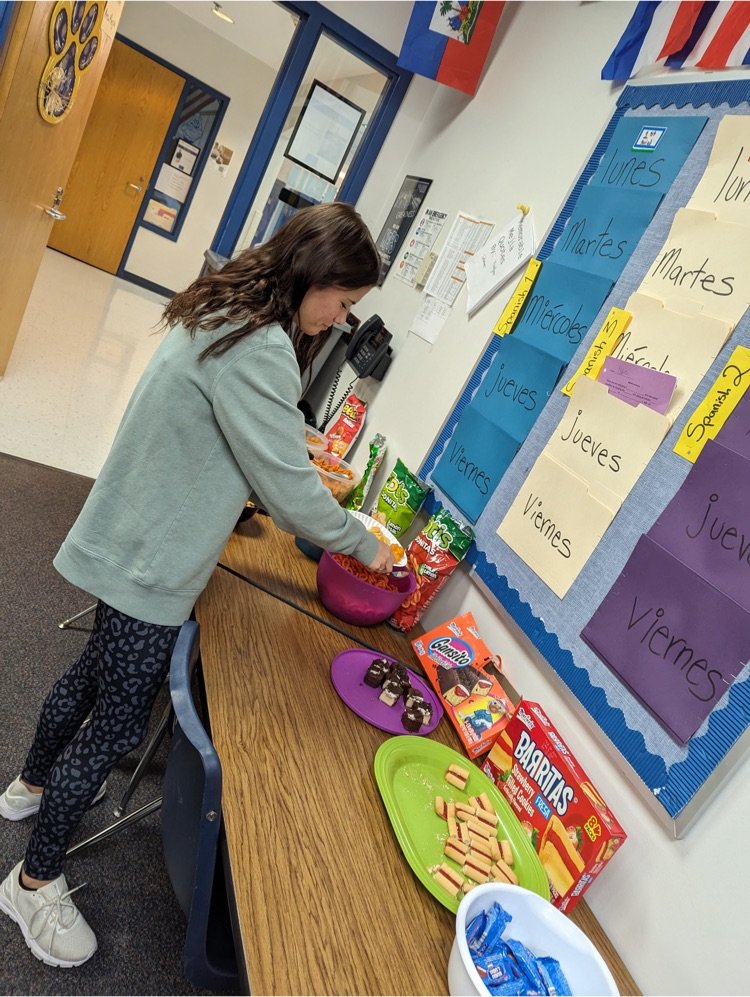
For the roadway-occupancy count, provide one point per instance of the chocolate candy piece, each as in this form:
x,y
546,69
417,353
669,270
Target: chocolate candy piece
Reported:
x,y
412,697
425,709
376,673
390,692
411,719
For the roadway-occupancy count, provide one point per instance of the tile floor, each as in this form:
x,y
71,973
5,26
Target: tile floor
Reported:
x,y
85,339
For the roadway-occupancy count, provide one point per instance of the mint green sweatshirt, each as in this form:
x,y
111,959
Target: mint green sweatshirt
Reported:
x,y
196,440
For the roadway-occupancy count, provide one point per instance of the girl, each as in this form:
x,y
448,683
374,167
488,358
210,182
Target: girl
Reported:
x,y
213,419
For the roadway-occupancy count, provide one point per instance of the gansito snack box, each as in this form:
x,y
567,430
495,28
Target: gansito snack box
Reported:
x,y
571,827
454,658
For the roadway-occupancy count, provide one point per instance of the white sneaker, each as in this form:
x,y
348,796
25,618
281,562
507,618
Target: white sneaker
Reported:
x,y
18,802
53,927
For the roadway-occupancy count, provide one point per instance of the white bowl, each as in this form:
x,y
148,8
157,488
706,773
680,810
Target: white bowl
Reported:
x,y
542,928
371,522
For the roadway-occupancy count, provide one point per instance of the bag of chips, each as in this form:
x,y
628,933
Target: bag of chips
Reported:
x,y
433,555
400,499
377,452
347,427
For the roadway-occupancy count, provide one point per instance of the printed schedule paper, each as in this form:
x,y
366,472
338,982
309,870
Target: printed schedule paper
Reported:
x,y
658,630
554,524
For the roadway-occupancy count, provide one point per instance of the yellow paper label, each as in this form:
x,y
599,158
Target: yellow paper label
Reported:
x,y
512,310
603,346
716,407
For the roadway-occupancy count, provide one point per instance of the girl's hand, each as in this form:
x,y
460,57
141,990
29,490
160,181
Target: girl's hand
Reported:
x,y
383,560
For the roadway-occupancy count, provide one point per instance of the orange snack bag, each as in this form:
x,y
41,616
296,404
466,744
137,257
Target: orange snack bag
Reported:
x,y
347,427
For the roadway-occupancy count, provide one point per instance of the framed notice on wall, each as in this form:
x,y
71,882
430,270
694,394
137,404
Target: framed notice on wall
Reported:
x,y
400,219
325,132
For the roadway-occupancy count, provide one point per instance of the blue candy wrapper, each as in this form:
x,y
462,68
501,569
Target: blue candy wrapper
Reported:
x,y
506,966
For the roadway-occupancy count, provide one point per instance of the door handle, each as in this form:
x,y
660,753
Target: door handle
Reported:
x,y
135,186
57,215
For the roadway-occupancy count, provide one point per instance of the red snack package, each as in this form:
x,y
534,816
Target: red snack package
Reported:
x,y
347,427
570,826
432,555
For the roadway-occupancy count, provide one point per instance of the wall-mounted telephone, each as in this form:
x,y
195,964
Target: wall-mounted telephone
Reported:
x,y
369,353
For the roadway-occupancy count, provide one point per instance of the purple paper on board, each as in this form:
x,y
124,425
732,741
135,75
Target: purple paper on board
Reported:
x,y
707,523
347,676
638,385
673,639
735,433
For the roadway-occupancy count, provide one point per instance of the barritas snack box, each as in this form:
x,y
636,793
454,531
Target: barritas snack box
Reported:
x,y
454,658
571,827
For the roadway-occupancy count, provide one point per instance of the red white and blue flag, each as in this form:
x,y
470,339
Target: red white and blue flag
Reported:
x,y
449,41
682,35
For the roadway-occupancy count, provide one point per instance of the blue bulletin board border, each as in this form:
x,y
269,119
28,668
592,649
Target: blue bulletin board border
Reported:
x,y
676,786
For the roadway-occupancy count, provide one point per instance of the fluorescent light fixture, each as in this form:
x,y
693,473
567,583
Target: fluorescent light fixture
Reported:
x,y
220,12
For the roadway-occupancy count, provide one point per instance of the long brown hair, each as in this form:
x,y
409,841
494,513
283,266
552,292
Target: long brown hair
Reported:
x,y
327,245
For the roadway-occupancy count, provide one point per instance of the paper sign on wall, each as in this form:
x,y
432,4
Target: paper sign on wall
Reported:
x,y
725,393
651,631
512,310
702,267
667,341
554,524
605,341
604,229
475,458
724,188
498,259
707,523
631,163
605,441
516,387
561,307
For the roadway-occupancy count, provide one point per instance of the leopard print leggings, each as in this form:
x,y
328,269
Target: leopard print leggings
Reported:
x,y
115,682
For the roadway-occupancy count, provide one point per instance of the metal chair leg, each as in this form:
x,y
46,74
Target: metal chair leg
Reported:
x,y
123,822
84,612
151,749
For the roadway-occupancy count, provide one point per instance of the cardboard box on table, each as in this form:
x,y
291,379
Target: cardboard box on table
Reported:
x,y
570,825
454,658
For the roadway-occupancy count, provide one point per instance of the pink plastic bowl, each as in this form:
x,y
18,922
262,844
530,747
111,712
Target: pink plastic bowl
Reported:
x,y
356,601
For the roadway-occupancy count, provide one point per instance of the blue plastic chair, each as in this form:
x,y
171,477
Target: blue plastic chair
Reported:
x,y
191,825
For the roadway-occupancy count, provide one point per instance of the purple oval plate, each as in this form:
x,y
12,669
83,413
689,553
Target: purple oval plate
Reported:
x,y
348,677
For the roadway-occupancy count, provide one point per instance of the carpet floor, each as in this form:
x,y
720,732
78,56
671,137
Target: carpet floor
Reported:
x,y
128,899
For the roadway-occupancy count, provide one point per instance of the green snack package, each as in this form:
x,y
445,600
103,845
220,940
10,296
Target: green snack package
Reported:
x,y
400,499
377,452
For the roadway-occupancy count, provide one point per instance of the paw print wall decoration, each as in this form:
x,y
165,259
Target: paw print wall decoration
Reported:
x,y
74,40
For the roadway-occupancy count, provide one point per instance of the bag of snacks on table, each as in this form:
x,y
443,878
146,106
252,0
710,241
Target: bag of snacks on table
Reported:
x,y
433,555
347,427
400,499
377,452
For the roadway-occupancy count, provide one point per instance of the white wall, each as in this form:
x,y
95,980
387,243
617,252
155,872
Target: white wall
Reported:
x,y
673,909
182,41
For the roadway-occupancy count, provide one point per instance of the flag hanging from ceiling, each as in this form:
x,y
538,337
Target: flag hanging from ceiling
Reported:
x,y
682,35
449,41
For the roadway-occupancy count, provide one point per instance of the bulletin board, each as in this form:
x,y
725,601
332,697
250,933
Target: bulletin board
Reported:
x,y
675,780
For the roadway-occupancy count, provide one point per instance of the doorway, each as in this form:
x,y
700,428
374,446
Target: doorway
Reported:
x,y
105,192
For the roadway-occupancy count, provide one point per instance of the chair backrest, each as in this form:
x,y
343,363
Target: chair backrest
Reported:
x,y
191,823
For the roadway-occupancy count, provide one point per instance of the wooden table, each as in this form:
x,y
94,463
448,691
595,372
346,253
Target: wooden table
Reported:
x,y
325,901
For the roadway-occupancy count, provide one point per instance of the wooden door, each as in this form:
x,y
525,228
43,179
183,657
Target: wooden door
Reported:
x,y
35,156
126,129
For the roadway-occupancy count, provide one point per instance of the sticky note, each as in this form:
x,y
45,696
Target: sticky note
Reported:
x,y
512,310
723,396
605,341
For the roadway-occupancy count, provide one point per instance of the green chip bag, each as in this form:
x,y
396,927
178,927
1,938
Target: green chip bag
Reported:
x,y
400,499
